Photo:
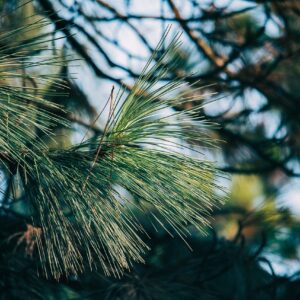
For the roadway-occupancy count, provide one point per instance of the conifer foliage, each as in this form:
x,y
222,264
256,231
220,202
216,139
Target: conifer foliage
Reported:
x,y
84,202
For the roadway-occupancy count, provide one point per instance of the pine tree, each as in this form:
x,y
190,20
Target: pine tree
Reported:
x,y
78,214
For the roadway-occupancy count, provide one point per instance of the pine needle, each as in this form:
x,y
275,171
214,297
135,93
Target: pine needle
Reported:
x,y
82,219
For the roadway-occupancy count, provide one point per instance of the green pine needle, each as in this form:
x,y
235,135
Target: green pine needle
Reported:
x,y
84,219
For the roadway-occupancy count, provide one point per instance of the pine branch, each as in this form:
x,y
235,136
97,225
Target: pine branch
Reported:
x,y
78,204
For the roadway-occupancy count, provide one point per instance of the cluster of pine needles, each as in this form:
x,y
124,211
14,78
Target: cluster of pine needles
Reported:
x,y
86,199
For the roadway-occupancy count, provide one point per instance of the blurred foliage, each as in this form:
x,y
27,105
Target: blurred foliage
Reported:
x,y
215,269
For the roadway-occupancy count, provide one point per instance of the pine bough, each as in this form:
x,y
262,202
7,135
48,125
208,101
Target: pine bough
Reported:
x,y
76,195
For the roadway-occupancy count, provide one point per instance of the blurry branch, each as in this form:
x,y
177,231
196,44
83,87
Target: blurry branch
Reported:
x,y
64,26
200,43
248,171
119,15
256,148
205,17
242,56
81,122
